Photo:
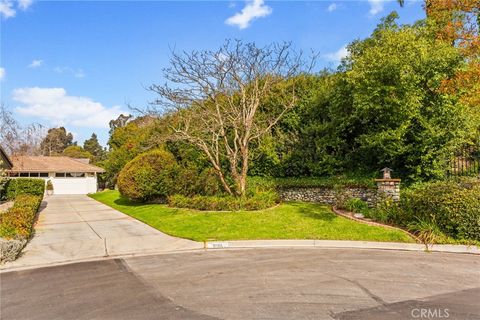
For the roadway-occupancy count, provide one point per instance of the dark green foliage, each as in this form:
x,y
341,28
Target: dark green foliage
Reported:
x,y
150,176
19,186
383,107
450,208
453,206
17,222
258,201
93,147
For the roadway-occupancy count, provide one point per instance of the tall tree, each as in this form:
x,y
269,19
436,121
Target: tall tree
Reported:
x,y
93,146
217,98
56,140
77,152
457,22
120,122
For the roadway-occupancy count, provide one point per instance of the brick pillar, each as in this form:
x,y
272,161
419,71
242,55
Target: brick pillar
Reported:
x,y
389,188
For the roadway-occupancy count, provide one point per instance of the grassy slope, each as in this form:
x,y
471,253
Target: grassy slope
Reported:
x,y
287,221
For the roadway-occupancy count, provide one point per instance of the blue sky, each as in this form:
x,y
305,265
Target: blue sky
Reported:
x,y
79,64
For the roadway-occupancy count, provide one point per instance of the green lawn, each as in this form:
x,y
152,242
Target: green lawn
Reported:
x,y
294,220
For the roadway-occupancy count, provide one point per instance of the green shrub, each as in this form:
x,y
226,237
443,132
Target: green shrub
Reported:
x,y
453,206
149,176
191,181
259,201
19,186
427,231
17,222
356,205
388,211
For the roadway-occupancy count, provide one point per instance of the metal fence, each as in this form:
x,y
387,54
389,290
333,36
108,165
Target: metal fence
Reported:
x,y
465,162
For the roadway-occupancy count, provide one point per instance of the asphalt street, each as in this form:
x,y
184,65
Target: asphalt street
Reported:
x,y
251,284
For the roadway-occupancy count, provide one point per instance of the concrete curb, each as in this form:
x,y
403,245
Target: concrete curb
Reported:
x,y
273,244
332,244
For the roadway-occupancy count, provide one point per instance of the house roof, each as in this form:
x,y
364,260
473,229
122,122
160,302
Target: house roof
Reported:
x,y
51,164
4,156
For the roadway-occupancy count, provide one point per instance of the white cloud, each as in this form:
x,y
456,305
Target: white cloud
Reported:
x,y
253,9
58,108
376,6
2,73
337,55
8,8
36,63
332,7
77,73
24,4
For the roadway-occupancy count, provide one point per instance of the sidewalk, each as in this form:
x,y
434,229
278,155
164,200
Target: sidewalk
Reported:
x,y
76,228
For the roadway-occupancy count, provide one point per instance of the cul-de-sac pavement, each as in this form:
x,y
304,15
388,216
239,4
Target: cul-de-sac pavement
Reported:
x,y
172,279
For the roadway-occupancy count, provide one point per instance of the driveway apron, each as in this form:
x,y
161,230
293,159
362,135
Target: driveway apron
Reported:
x,y
76,227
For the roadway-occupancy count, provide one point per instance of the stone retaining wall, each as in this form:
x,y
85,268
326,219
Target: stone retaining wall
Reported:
x,y
329,195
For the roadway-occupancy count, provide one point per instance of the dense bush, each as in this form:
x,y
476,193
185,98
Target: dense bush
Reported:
x,y
19,186
149,176
453,206
259,201
17,222
449,207
157,174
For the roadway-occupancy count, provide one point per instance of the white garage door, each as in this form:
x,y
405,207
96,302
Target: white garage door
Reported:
x,y
74,185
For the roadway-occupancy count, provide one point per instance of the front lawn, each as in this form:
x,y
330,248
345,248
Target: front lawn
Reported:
x,y
294,220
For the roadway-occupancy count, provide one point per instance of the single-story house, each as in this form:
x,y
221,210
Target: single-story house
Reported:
x,y
68,175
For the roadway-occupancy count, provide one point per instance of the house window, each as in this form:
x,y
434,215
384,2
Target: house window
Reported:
x,y
24,174
78,174
34,174
59,174
43,174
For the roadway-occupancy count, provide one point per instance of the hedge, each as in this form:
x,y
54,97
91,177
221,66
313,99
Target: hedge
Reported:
x,y
341,181
17,222
259,201
19,186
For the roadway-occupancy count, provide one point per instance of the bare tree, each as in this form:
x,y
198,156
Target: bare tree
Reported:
x,y
17,139
217,96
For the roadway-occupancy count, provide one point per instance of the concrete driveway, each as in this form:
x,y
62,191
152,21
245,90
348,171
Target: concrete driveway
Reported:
x,y
312,283
76,227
